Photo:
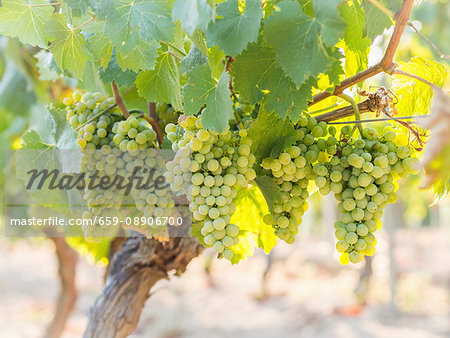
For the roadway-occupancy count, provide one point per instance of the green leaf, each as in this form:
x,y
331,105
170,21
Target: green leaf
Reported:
x,y
63,135
216,61
355,60
32,140
91,78
68,47
194,58
19,18
441,188
219,107
270,190
299,40
114,73
16,91
193,14
200,85
46,65
255,74
199,41
163,83
415,96
375,20
61,153
270,132
142,57
98,43
352,13
126,20
202,89
79,7
234,30
253,232
95,252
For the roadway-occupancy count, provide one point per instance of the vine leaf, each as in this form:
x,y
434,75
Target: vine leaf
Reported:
x,y
415,96
68,47
198,41
161,84
19,18
99,44
300,40
203,89
253,232
16,91
256,72
270,135
97,252
199,86
219,107
194,58
375,20
142,57
79,7
436,159
192,14
47,66
123,78
61,153
355,60
355,39
234,30
271,191
126,20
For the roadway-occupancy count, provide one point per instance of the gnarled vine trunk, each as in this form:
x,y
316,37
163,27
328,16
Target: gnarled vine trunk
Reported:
x,y
135,269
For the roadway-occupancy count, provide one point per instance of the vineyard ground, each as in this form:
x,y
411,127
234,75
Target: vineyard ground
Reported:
x,y
309,294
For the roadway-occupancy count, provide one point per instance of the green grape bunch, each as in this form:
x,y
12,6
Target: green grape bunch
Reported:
x,y
112,145
363,176
208,167
292,171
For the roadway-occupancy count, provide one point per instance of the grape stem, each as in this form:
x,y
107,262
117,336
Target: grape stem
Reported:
x,y
350,100
391,15
386,65
96,116
429,42
119,100
153,119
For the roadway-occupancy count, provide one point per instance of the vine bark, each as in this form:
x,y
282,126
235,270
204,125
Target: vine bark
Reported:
x,y
135,269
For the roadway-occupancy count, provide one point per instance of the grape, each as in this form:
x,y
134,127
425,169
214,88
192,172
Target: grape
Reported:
x,y
222,162
292,171
364,168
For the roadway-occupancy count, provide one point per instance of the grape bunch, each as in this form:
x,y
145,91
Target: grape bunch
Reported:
x,y
95,137
112,145
208,167
292,171
363,178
